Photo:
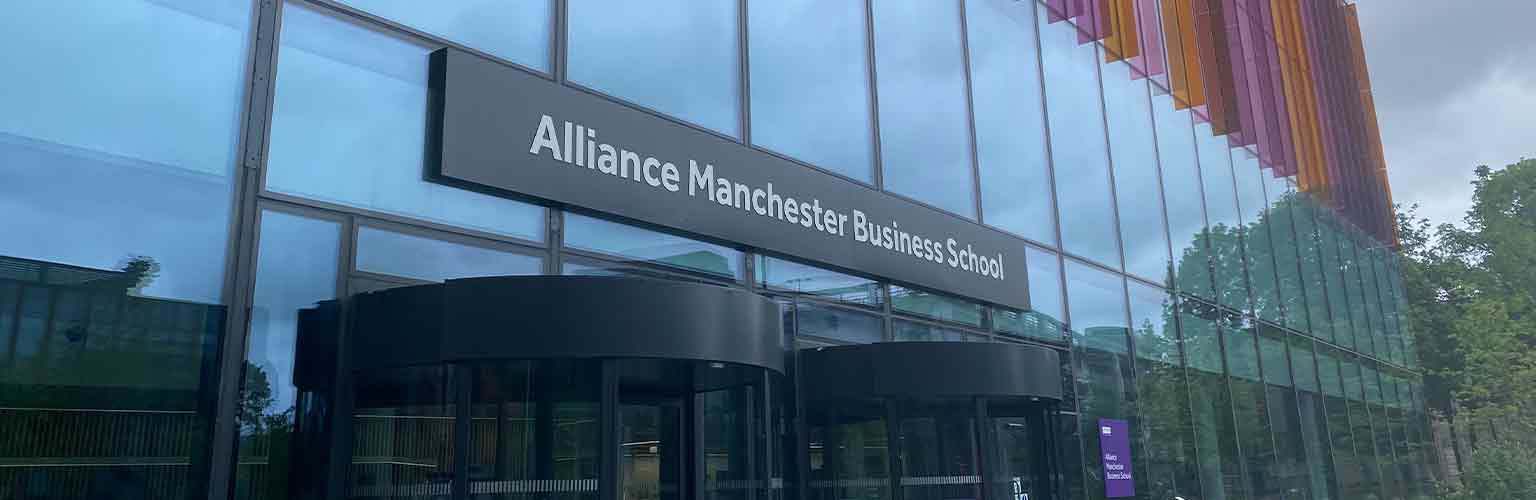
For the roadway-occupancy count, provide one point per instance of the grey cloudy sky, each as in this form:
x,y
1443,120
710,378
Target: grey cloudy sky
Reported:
x,y
1455,87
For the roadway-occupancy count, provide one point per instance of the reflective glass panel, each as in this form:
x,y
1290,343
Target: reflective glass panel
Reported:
x,y
643,245
783,275
810,83
1010,123
1045,284
935,306
116,171
421,258
516,31
1133,153
925,140
908,331
1166,446
838,324
1182,192
296,270
679,57
1100,357
1285,208
1097,302
1257,219
349,122
1079,150
1216,438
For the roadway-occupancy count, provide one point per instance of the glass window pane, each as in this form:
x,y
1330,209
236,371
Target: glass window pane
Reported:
x,y
1045,284
116,175
1078,147
1167,441
1100,355
295,279
1181,190
1313,283
1249,404
925,140
1259,223
1211,404
1010,127
1216,178
349,126
1286,207
633,243
679,57
935,306
839,324
810,83
783,275
515,31
1097,302
1333,273
418,257
907,331
1030,324
1133,154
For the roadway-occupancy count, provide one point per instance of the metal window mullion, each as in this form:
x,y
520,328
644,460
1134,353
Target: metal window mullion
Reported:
x,y
744,73
239,279
877,168
970,112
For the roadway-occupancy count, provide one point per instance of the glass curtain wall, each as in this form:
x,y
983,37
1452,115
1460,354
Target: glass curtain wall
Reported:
x,y
117,176
1101,359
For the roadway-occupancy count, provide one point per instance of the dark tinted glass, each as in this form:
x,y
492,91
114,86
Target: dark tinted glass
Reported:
x,y
925,140
1079,152
810,83
1010,123
682,60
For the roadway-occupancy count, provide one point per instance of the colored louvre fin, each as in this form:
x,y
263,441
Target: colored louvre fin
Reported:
x,y
1285,79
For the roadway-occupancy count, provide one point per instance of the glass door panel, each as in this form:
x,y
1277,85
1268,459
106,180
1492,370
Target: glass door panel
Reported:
x,y
534,430
849,452
727,428
938,451
403,434
651,448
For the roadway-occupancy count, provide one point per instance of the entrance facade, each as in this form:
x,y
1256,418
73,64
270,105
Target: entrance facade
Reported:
x,y
506,388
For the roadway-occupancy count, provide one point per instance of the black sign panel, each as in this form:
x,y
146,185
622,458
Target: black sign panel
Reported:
x,y
502,130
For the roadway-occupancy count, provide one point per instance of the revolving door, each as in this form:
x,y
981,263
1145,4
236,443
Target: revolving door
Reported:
x,y
506,388
930,421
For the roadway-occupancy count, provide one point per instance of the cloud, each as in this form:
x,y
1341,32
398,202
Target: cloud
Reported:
x,y
1455,87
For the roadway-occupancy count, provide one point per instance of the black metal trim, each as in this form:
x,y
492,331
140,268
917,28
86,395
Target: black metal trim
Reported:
x,y
931,369
541,317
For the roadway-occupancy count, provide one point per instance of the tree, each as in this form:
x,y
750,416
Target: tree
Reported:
x,y
1472,296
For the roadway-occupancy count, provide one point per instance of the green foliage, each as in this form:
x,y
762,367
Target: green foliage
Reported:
x,y
1504,471
1472,297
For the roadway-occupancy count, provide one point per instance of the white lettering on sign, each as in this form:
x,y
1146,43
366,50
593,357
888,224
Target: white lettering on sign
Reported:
x,y
579,146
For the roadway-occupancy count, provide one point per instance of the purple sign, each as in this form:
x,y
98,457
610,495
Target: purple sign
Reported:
x,y
1115,451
